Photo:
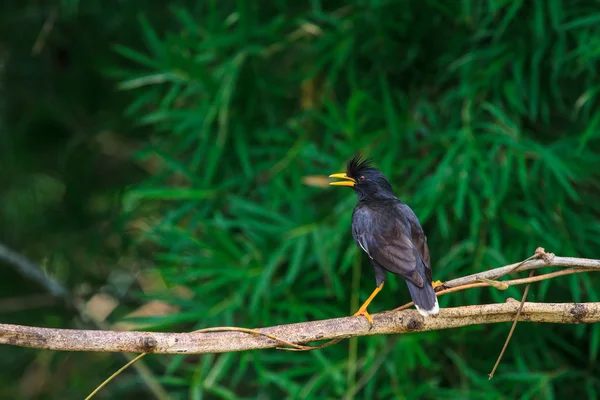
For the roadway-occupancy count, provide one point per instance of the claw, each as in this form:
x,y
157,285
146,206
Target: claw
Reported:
x,y
436,284
363,309
365,313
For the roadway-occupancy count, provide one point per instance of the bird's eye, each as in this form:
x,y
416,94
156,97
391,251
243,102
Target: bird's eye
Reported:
x,y
362,178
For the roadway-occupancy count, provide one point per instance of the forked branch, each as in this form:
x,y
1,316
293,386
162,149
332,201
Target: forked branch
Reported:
x,y
391,322
219,342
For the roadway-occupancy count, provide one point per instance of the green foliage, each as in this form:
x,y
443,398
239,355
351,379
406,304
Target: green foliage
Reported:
x,y
483,114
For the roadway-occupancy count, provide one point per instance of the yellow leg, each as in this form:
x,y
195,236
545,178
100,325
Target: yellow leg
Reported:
x,y
363,309
436,284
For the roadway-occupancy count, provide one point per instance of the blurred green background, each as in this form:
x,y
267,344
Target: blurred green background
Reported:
x,y
166,163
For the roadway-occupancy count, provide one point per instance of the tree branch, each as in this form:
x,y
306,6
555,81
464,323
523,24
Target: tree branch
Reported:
x,y
32,271
390,322
550,261
384,323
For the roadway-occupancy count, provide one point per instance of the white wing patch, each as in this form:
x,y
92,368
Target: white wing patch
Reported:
x,y
364,247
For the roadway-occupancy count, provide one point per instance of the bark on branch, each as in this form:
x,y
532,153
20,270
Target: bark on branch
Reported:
x,y
220,342
547,260
390,322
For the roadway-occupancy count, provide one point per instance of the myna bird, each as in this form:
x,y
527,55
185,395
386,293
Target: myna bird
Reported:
x,y
390,233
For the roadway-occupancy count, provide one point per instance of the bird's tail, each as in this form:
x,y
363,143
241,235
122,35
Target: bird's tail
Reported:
x,y
424,298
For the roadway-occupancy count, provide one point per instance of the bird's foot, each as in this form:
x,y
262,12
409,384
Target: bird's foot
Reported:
x,y
363,311
436,284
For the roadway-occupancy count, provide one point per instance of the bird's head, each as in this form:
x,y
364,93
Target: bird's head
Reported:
x,y
368,182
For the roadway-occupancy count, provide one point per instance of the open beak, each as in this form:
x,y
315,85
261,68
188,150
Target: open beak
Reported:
x,y
342,175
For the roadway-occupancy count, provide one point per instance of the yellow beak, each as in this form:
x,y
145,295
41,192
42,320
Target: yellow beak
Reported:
x,y
348,182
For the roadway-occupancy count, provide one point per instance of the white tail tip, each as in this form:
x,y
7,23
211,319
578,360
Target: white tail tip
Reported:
x,y
434,311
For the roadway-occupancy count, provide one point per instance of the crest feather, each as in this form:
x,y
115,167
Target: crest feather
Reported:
x,y
358,165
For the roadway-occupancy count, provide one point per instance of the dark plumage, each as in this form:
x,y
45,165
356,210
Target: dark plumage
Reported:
x,y
389,232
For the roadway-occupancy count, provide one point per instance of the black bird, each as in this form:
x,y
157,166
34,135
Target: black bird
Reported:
x,y
390,233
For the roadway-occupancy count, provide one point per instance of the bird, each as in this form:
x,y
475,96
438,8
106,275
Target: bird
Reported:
x,y
390,234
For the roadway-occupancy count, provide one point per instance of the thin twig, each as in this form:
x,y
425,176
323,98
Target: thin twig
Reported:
x,y
538,254
32,271
293,346
509,283
110,378
44,33
351,393
551,261
549,275
512,328
320,346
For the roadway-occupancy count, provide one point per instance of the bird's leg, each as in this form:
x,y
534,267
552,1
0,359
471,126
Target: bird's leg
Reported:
x,y
436,284
363,309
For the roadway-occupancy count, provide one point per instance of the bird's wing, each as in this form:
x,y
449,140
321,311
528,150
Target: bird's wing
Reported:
x,y
418,237
388,243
